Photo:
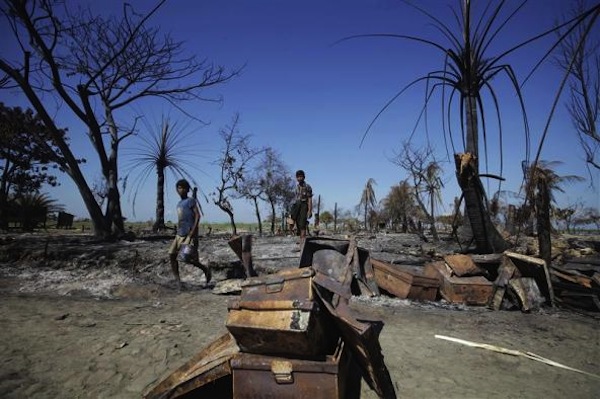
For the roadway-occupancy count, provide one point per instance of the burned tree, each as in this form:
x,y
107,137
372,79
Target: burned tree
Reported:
x,y
164,150
468,69
580,57
236,156
251,189
398,206
128,62
541,185
276,182
425,172
368,202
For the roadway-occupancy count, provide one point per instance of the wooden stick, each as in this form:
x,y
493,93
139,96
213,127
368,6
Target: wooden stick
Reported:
x,y
514,352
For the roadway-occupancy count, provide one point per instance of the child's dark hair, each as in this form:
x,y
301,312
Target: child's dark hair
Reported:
x,y
300,173
182,183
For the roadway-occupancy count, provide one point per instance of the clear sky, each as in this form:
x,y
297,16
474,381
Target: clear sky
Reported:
x,y
312,99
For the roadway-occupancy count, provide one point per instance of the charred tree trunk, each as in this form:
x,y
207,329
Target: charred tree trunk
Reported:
x,y
159,222
257,211
4,189
485,235
273,219
431,218
110,170
335,218
69,163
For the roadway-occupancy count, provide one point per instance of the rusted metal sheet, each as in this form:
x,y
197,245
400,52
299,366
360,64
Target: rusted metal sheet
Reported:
x,y
207,374
474,290
277,315
357,262
405,281
362,338
314,244
259,376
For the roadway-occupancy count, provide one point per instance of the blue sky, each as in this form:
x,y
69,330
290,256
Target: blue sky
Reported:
x,y
311,99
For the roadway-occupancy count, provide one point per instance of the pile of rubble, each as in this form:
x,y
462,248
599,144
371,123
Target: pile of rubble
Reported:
x,y
506,281
292,334
576,283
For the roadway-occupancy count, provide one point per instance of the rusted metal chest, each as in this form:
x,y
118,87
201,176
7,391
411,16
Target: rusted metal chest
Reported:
x,y
405,281
278,315
474,290
259,376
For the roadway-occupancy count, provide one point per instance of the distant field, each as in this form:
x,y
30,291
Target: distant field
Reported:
x,y
140,227
85,226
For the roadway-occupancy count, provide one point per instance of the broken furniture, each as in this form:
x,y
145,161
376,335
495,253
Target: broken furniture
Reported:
x,y
523,282
576,283
295,335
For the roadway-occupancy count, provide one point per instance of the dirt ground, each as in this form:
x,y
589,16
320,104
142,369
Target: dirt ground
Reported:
x,y
88,320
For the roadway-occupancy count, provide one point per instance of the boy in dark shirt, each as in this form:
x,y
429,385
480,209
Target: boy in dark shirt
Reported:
x,y
304,196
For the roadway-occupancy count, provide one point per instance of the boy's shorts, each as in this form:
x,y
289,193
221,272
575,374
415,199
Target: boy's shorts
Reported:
x,y
176,244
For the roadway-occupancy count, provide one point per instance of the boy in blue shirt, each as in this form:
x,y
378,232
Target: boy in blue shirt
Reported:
x,y
188,219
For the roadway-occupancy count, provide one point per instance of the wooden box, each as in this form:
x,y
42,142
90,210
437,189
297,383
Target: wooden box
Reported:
x,y
405,281
278,315
259,376
474,290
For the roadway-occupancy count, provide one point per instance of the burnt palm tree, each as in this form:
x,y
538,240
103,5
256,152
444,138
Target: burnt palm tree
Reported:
x,y
165,150
468,70
398,205
367,199
540,185
432,185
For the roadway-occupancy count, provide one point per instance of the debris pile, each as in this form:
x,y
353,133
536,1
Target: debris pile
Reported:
x,y
523,282
500,281
577,283
292,334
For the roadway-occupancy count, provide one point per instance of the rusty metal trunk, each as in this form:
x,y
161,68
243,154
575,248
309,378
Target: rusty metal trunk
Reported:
x,y
258,376
405,281
278,315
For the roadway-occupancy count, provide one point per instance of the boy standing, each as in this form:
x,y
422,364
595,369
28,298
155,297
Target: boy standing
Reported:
x,y
304,196
188,218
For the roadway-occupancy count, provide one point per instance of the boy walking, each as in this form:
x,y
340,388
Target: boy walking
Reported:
x,y
188,219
